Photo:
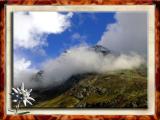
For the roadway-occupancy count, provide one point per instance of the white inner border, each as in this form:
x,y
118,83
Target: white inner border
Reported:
x,y
150,9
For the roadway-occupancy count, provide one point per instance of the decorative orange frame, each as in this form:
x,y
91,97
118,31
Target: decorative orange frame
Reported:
x,y
3,115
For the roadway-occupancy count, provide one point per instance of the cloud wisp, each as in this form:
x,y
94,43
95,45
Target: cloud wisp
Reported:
x,y
23,71
78,37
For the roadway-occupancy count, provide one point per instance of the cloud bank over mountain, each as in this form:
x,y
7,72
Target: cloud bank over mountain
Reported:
x,y
127,34
77,60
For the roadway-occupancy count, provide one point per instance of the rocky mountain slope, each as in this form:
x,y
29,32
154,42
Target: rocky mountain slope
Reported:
x,y
118,89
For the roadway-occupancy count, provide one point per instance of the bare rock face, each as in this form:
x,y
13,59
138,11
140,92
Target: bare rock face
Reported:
x,y
38,77
81,105
79,95
100,49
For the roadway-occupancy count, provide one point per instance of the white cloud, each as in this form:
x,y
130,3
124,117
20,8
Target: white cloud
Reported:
x,y
129,33
39,51
23,72
22,64
30,31
77,60
29,28
77,36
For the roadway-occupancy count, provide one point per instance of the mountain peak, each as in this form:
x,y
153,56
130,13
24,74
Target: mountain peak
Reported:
x,y
100,49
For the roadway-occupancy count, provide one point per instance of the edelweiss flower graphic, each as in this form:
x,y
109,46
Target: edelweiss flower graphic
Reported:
x,y
21,95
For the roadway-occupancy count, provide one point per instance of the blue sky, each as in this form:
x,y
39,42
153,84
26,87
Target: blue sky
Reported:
x,y
40,36
83,24
85,28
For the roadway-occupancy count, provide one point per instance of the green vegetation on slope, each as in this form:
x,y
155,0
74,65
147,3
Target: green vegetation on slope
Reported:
x,y
118,89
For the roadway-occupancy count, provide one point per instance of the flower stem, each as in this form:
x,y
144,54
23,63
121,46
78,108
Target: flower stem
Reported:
x,y
17,107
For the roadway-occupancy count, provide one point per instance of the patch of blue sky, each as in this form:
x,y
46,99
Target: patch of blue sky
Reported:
x,y
88,25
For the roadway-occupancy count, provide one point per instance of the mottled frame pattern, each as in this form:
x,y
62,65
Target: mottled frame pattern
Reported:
x,y
3,115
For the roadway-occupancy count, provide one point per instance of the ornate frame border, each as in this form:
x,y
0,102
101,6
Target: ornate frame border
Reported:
x,y
3,115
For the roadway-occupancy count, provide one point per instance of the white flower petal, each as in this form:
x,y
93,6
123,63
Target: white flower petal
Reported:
x,y
23,91
24,102
30,98
18,90
14,90
30,90
29,102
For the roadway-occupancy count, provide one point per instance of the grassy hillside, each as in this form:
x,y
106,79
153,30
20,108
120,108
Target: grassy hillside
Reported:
x,y
118,89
